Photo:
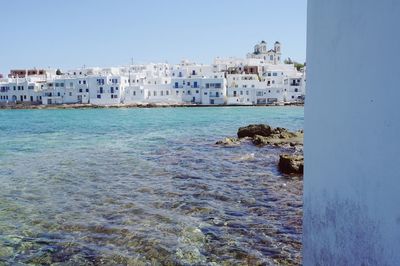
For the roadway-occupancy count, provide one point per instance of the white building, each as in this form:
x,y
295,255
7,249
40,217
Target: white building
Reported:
x,y
261,51
260,79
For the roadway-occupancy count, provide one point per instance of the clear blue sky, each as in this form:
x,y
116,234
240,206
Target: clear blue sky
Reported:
x,y
73,33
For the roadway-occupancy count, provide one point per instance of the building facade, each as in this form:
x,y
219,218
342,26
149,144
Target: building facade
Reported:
x,y
259,79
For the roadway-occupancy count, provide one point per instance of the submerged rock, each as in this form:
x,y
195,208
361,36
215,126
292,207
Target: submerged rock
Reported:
x,y
228,141
253,130
291,164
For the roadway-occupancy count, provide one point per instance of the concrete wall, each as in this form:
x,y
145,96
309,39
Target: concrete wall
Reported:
x,y
352,124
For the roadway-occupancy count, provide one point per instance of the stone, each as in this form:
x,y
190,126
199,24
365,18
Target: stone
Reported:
x,y
253,130
291,164
228,142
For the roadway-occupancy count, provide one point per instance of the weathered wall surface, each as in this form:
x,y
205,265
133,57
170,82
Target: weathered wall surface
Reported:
x,y
352,139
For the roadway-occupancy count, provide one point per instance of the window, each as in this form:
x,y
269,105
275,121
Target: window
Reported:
x,y
80,90
98,96
84,82
134,93
70,93
241,92
274,74
87,90
213,85
247,92
205,93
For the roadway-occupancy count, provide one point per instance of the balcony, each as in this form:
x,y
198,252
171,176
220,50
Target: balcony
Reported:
x,y
216,96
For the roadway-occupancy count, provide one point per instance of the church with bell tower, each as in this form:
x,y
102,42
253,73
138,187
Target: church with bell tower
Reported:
x,y
272,56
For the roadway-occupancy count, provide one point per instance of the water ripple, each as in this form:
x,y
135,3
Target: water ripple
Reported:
x,y
141,187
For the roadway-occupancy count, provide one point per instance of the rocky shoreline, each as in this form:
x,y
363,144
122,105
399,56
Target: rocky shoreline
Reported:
x,y
261,135
139,105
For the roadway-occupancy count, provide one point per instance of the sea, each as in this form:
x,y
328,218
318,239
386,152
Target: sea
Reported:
x,y
146,186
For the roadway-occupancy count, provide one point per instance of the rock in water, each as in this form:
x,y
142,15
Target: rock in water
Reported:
x,y
228,142
291,164
252,130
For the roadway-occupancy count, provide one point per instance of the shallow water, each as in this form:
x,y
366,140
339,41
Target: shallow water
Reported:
x,y
145,187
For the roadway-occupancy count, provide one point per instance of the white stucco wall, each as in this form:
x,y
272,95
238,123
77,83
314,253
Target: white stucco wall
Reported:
x,y
352,124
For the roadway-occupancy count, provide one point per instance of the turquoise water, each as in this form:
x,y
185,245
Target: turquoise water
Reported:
x,y
145,187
